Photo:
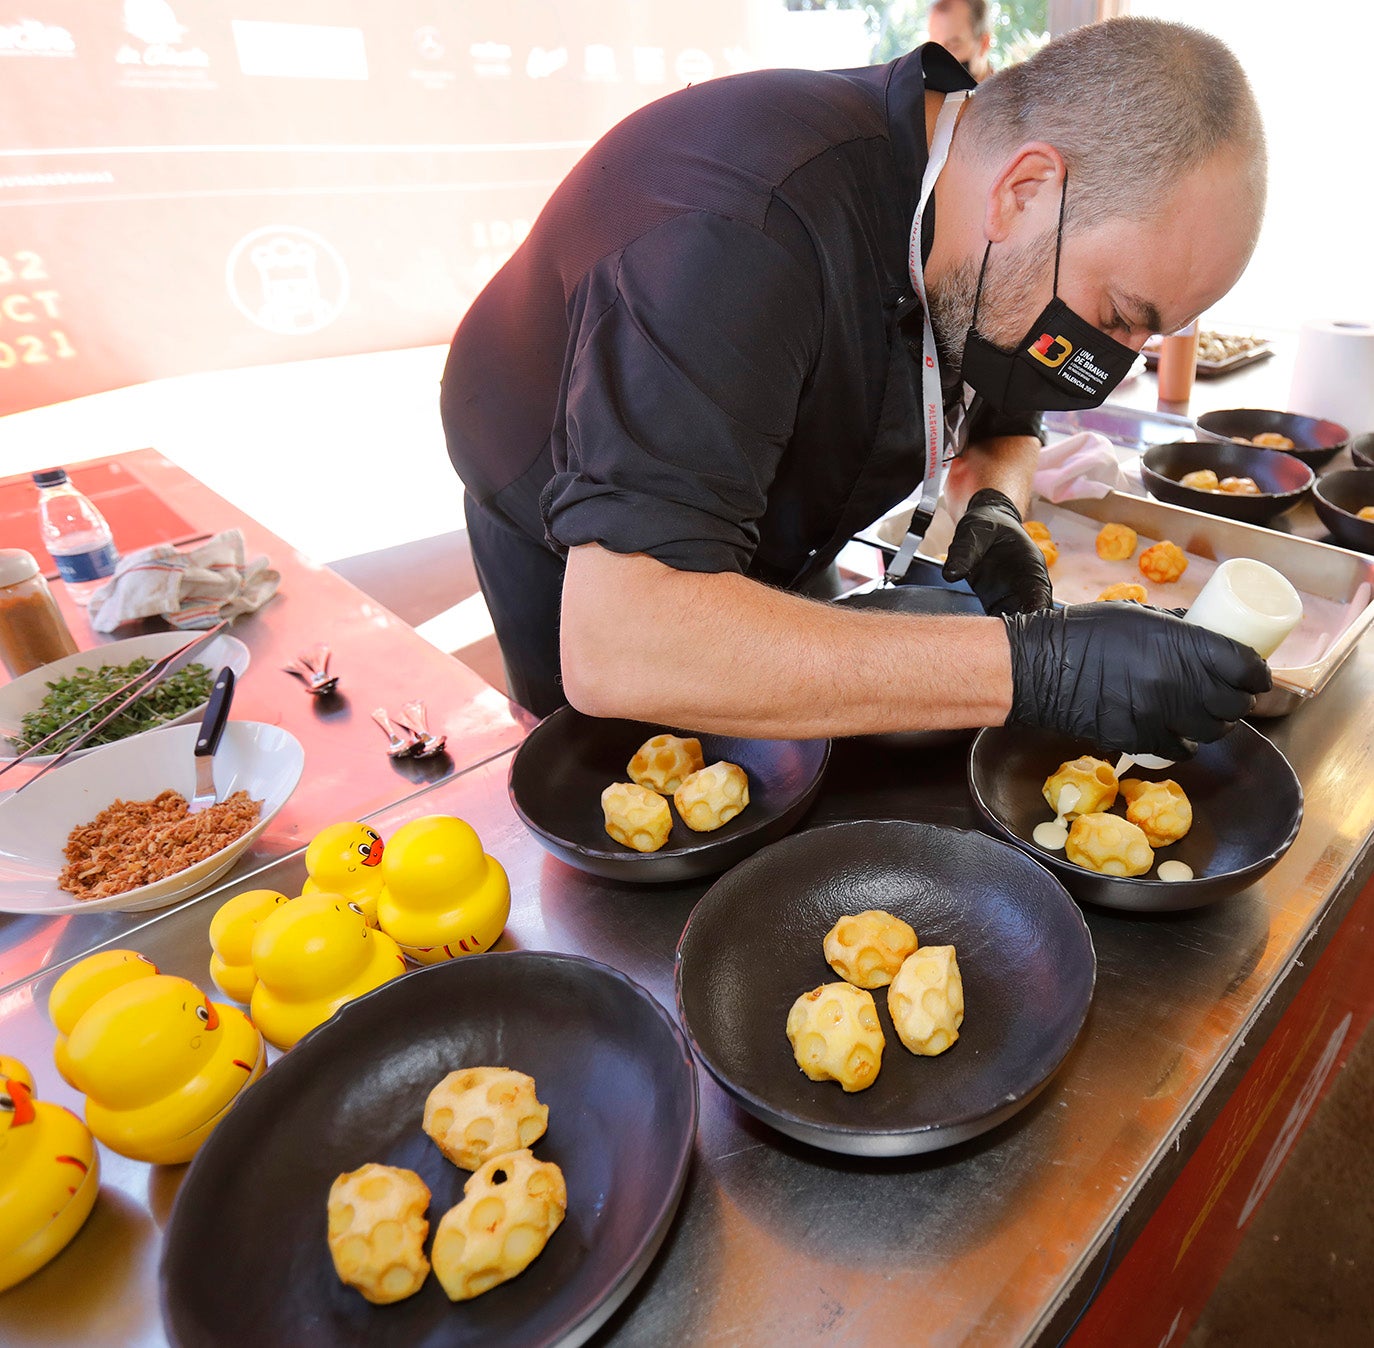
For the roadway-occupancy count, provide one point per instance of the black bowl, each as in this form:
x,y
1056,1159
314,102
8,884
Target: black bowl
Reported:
x,y
1338,498
1247,807
1362,450
753,945
1282,479
1315,441
928,600
246,1260
559,772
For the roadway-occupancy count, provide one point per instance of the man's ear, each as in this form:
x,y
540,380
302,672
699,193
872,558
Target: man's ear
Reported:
x,y
1025,190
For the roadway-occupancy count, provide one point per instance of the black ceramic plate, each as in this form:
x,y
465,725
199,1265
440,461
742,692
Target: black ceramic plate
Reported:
x,y
1338,498
753,945
1362,450
1247,806
923,599
1283,480
246,1260
1314,439
559,772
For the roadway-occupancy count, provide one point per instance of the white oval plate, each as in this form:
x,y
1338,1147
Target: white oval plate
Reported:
x,y
264,760
26,693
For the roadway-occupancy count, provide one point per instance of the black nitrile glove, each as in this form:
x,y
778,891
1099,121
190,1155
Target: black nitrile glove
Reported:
x,y
997,557
1129,678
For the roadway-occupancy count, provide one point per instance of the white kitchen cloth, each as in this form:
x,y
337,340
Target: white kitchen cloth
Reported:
x,y
1084,465
191,589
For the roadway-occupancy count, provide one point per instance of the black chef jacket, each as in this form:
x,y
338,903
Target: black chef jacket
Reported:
x,y
693,354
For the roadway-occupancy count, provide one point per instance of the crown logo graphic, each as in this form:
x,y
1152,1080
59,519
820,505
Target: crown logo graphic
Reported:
x,y
283,260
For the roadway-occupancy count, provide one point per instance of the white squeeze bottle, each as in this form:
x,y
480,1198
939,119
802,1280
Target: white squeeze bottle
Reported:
x,y
75,533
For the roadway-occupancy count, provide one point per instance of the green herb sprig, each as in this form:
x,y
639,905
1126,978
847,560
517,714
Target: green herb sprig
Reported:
x,y
174,696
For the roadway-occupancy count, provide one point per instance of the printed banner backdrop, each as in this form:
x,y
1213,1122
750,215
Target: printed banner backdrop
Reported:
x,y
212,183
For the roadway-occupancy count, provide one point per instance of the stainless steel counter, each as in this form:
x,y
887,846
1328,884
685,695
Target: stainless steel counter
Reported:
x,y
984,1243
381,661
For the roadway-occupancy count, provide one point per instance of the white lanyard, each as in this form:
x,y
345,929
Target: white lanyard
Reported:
x,y
932,392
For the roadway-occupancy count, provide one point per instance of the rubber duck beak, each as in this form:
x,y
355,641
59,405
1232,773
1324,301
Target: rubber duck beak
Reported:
x,y
23,1105
213,1022
374,854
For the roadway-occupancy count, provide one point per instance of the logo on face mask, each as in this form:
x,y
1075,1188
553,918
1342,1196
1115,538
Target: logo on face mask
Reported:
x,y
1051,351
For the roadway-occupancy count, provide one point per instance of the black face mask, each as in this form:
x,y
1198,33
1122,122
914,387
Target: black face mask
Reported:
x,y
1062,364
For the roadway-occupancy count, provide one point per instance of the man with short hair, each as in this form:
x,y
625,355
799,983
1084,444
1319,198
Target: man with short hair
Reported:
x,y
746,324
964,29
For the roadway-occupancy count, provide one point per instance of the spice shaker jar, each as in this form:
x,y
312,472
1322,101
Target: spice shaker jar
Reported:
x,y
33,631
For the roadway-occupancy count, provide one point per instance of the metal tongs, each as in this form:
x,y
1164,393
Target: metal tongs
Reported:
x,y
124,696
312,669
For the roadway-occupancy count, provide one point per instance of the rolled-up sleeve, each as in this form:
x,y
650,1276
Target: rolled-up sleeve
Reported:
x,y
687,358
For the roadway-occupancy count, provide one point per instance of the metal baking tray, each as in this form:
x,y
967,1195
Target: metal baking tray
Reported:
x,y
1337,586
1259,349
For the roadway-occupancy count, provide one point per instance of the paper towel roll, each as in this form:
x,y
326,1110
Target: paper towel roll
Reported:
x,y
1333,375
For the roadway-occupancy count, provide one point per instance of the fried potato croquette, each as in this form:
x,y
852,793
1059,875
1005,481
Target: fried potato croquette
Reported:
x,y
636,816
665,762
1116,542
1048,549
1038,531
377,1230
1126,589
510,1208
1108,844
1365,513
1161,810
926,1000
1096,782
1271,440
1163,563
712,797
868,948
480,1112
835,1035
1239,486
1203,479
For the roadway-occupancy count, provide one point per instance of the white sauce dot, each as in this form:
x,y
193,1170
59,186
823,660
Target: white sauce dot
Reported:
x,y
1175,870
1051,834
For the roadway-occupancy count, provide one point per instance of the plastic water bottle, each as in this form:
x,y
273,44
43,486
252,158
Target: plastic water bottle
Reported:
x,y
75,533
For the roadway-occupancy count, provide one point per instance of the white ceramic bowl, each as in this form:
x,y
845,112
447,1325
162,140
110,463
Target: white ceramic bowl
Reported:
x,y
26,693
264,760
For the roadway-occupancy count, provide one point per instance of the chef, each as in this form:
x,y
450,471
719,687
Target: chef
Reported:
x,y
762,311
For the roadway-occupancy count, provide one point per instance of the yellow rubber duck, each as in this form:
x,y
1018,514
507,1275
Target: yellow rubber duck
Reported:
x,y
444,897
311,956
231,940
160,1065
49,1175
84,984
345,859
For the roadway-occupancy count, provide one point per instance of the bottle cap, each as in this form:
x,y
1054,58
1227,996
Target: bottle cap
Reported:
x,y
16,565
51,477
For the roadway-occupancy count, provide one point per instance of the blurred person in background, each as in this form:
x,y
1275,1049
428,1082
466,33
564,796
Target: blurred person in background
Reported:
x,y
964,29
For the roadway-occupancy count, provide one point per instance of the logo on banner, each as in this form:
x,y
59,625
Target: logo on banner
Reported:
x,y
1051,351
28,37
287,280
162,59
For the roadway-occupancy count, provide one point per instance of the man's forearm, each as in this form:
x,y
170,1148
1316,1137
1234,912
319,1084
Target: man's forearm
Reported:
x,y
722,653
1006,462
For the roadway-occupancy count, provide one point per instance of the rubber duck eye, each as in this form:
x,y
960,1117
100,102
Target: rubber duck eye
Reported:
x,y
6,1103
202,1014
371,834
365,849
355,908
